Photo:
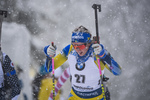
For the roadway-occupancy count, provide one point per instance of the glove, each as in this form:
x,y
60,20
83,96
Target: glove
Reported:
x,y
97,48
51,51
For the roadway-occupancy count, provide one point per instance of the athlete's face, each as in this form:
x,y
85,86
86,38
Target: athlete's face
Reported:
x,y
81,48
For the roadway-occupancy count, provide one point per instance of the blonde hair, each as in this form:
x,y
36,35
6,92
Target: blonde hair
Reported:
x,y
81,29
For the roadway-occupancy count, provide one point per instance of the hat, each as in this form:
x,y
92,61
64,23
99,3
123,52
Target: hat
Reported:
x,y
81,34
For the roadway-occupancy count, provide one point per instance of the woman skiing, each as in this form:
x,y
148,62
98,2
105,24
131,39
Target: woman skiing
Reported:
x,y
82,56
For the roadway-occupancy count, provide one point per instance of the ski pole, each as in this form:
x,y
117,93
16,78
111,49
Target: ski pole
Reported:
x,y
53,75
95,7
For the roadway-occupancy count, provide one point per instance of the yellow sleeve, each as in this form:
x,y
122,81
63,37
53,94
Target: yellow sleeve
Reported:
x,y
61,58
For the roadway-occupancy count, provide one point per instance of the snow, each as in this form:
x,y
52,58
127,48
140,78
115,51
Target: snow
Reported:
x,y
123,27
16,43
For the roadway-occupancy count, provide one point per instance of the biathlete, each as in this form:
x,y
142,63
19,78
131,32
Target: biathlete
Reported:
x,y
82,55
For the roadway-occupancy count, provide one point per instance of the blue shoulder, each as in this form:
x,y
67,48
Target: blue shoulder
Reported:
x,y
65,50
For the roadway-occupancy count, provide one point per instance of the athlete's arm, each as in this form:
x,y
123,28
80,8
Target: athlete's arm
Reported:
x,y
113,66
58,60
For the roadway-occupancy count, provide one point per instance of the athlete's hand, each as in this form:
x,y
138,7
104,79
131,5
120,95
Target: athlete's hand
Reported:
x,y
97,48
51,50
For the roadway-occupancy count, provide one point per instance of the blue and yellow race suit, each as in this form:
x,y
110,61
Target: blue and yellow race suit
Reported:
x,y
85,76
